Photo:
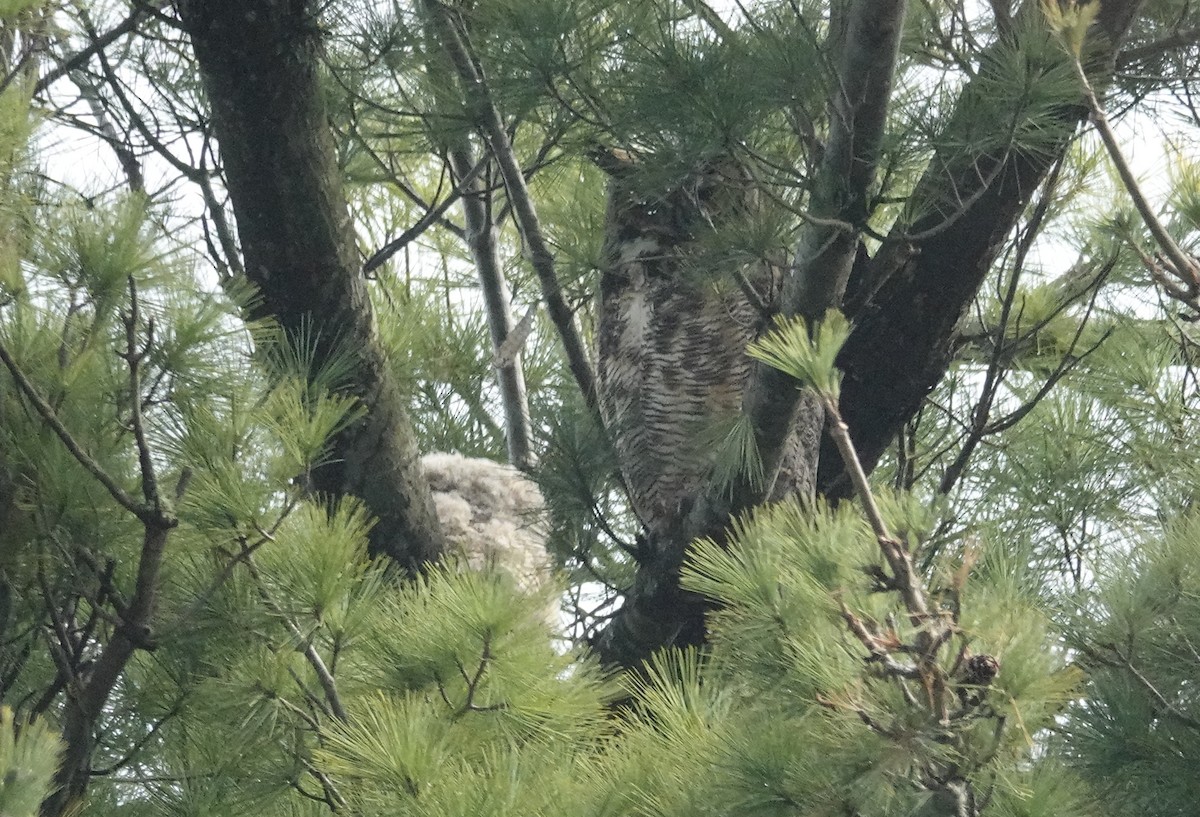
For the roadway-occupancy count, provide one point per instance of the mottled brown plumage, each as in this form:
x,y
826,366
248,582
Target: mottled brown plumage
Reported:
x,y
672,336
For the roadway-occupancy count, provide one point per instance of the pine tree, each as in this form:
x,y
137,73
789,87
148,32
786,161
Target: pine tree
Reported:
x,y
929,553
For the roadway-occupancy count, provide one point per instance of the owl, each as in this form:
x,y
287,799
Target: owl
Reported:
x,y
674,321
492,516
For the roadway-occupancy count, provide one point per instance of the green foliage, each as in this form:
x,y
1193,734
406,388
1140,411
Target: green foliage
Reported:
x,y
466,708
807,354
736,452
11,9
28,757
590,530
1136,636
781,585
286,674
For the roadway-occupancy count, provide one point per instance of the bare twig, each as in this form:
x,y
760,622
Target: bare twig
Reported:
x,y
333,798
98,44
492,126
1177,265
994,376
230,267
712,18
432,216
129,162
133,356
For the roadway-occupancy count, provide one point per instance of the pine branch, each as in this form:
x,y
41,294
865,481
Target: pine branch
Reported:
x,y
99,43
133,632
1122,662
1178,268
904,576
324,677
433,215
247,549
82,457
481,239
494,131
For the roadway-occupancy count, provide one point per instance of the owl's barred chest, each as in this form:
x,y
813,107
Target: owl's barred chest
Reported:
x,y
674,328
672,367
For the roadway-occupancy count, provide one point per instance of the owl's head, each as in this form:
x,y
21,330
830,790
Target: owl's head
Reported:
x,y
655,196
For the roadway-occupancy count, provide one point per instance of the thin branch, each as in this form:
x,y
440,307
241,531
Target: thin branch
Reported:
x,y
432,216
91,94
333,798
994,376
905,580
1179,39
324,676
80,58
82,457
540,255
1168,707
140,743
481,240
1181,266
230,268
712,19
133,357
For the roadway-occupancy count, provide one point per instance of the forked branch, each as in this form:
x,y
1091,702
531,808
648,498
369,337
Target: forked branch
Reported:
x,y
446,24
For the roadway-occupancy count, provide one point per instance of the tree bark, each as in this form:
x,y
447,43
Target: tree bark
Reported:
x,y
259,62
904,336
905,315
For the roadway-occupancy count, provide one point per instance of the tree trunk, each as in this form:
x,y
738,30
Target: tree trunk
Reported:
x,y
905,321
259,61
906,302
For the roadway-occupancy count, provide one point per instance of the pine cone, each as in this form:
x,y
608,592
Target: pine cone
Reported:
x,y
977,674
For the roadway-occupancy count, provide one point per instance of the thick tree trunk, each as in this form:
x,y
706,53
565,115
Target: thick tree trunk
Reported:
x,y
260,64
905,321
906,303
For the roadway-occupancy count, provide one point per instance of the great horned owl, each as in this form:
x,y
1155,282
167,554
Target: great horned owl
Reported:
x,y
673,331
